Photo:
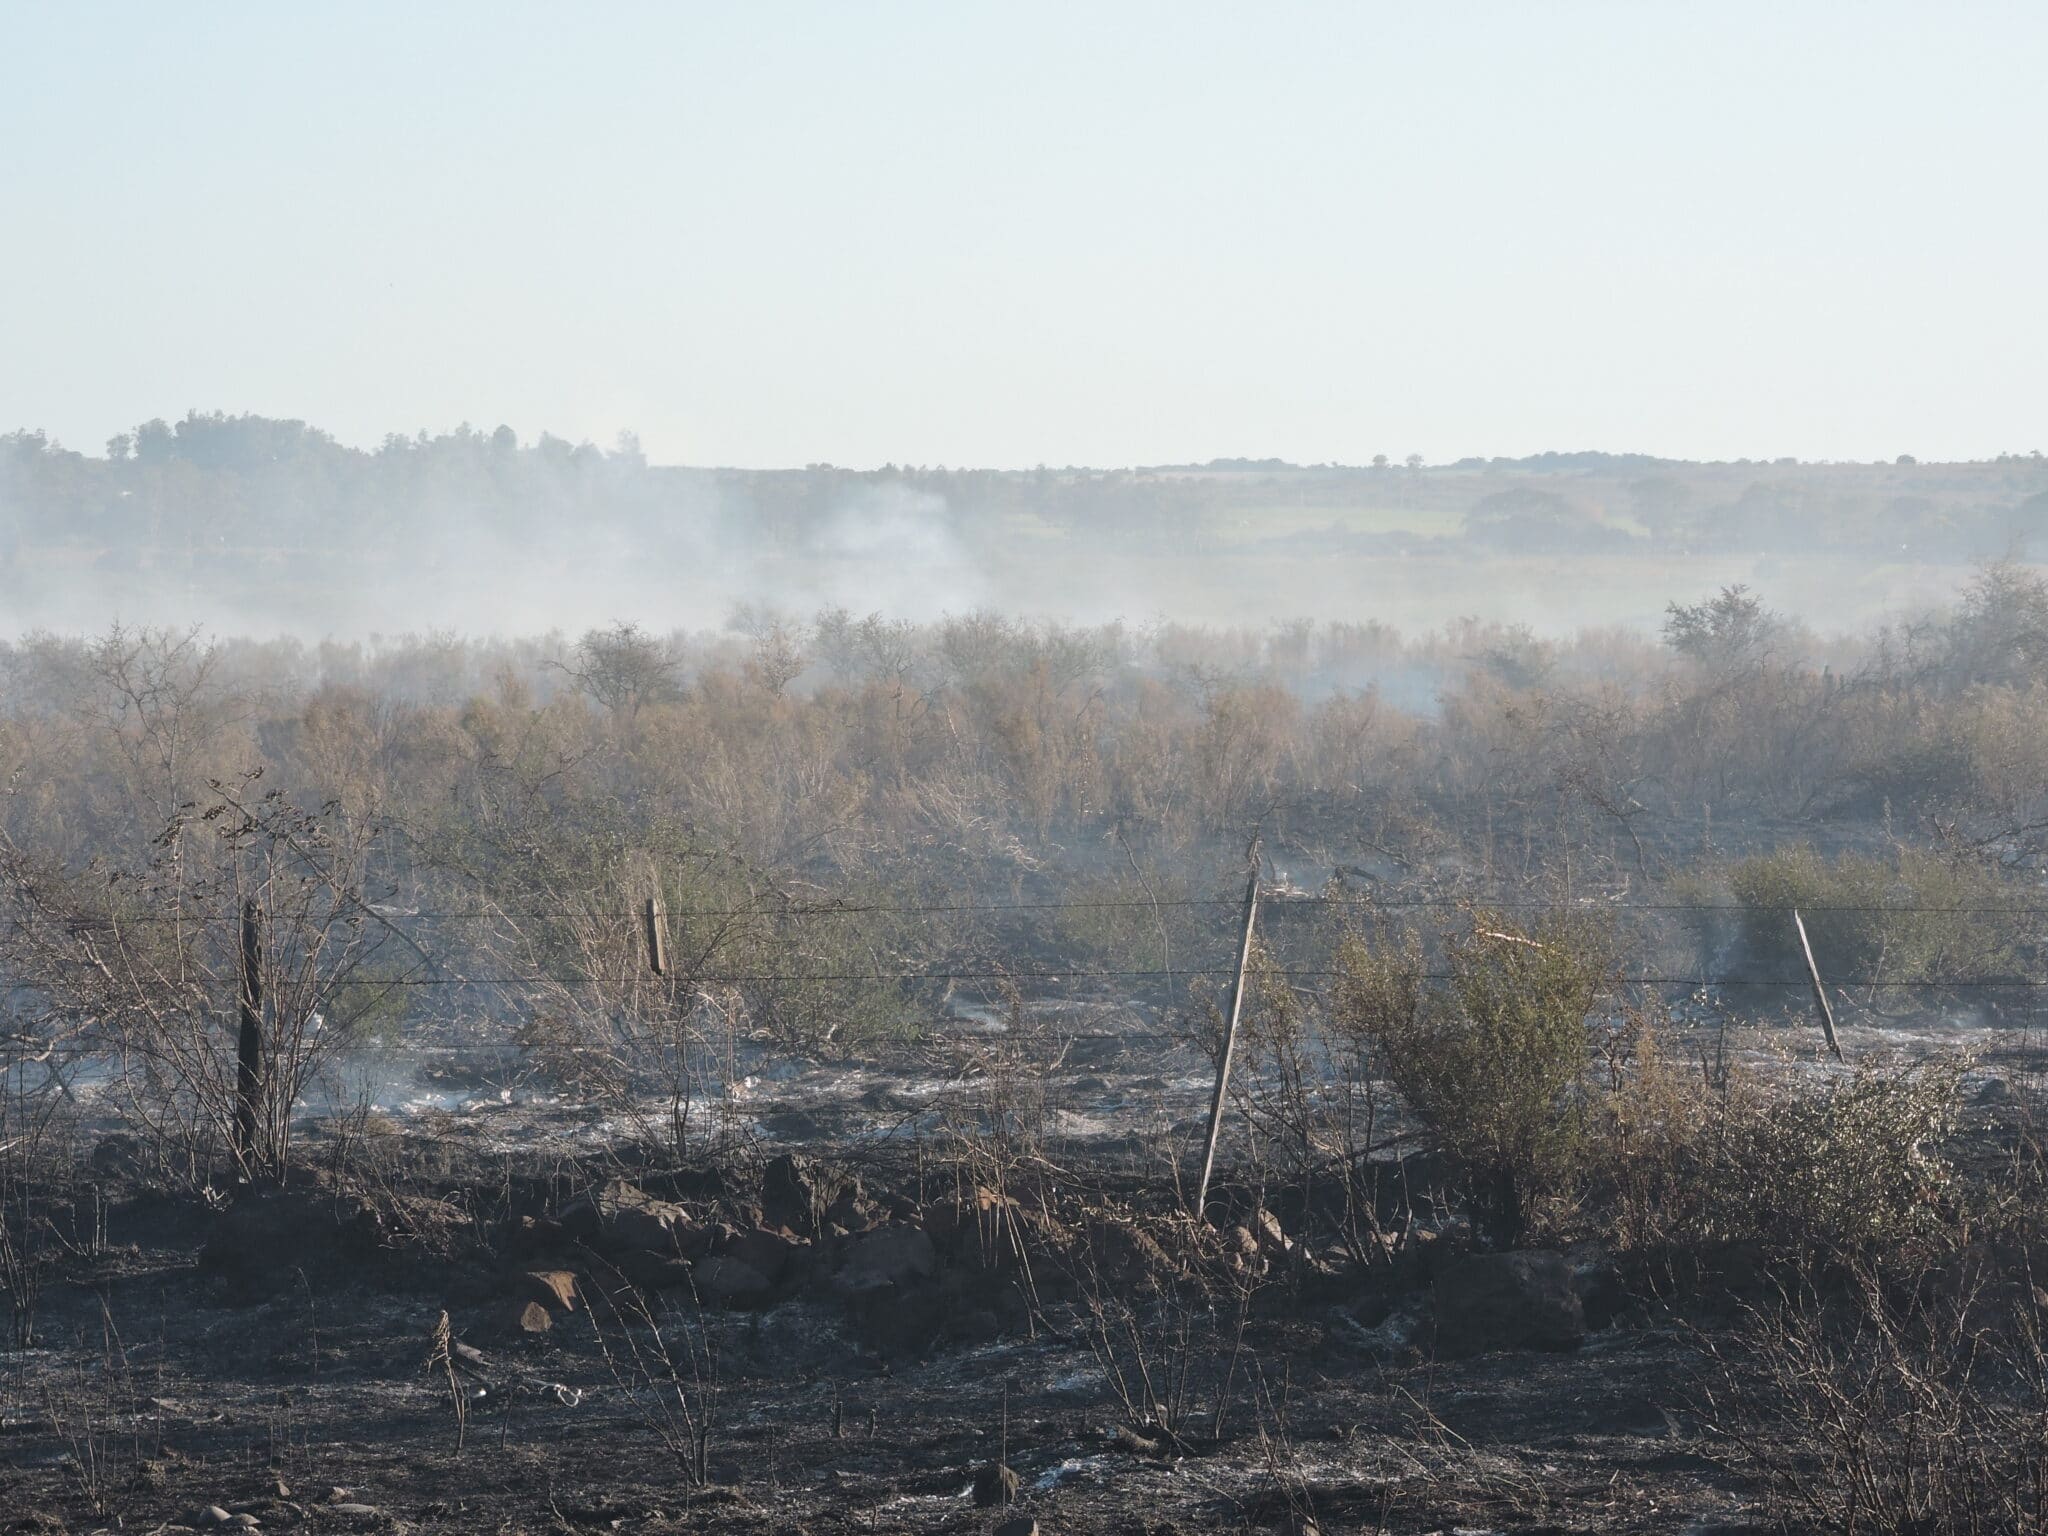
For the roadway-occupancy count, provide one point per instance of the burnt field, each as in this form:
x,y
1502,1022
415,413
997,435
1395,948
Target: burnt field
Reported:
x,y
867,1288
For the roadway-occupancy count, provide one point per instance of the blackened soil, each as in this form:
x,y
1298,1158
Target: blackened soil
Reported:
x,y
297,1386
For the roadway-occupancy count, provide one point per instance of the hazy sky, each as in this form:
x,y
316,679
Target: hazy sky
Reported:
x,y
773,234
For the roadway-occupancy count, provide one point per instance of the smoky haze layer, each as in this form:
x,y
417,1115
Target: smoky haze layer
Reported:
x,y
257,526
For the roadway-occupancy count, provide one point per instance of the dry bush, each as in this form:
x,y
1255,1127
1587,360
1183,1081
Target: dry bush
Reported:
x,y
1802,1169
142,963
1171,1344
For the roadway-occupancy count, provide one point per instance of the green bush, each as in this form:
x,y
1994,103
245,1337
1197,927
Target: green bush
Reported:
x,y
1490,1055
1921,918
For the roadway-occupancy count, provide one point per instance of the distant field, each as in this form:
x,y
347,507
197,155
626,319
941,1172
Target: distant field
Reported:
x,y
1253,524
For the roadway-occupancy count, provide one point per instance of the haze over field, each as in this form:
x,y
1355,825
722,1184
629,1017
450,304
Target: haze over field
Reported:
x,y
249,525
688,236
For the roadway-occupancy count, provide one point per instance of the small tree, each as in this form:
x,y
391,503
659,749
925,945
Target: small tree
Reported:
x,y
623,668
1490,1053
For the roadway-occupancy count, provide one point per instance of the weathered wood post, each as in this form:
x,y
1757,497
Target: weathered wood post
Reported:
x,y
1244,956
1820,995
657,936
249,1047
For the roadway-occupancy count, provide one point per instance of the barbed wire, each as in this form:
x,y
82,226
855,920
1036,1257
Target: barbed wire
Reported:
x,y
1271,901
1308,972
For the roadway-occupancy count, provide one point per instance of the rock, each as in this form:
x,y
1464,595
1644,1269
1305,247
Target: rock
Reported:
x,y
1390,1338
1518,1300
1422,1183
620,1215
978,1227
260,1242
723,1279
1016,1525
1746,1272
1602,1290
652,1274
554,1289
532,1317
1422,1253
536,1235
893,1255
118,1156
996,1484
394,1221
213,1514
973,1325
772,1253
797,1191
849,1209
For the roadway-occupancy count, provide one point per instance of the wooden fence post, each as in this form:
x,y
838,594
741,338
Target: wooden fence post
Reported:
x,y
657,936
249,1046
1820,995
1244,956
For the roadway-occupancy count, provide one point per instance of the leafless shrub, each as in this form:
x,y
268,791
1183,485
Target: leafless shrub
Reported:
x,y
34,1166
143,963
1915,1404
664,1363
1170,1343
87,1411
441,1362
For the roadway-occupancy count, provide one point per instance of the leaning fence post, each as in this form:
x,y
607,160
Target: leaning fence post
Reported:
x,y
1244,956
1820,995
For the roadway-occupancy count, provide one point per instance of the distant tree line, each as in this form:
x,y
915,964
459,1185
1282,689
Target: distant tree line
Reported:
x,y
245,489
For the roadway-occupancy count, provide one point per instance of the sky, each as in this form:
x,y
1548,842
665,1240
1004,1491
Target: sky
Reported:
x,y
778,234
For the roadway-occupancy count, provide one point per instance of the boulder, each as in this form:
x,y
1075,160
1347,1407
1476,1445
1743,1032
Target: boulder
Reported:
x,y
977,1226
892,1255
1420,1184
1496,1301
996,1484
1269,1234
619,1216
774,1254
535,1235
730,1280
1603,1292
1125,1254
797,1192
